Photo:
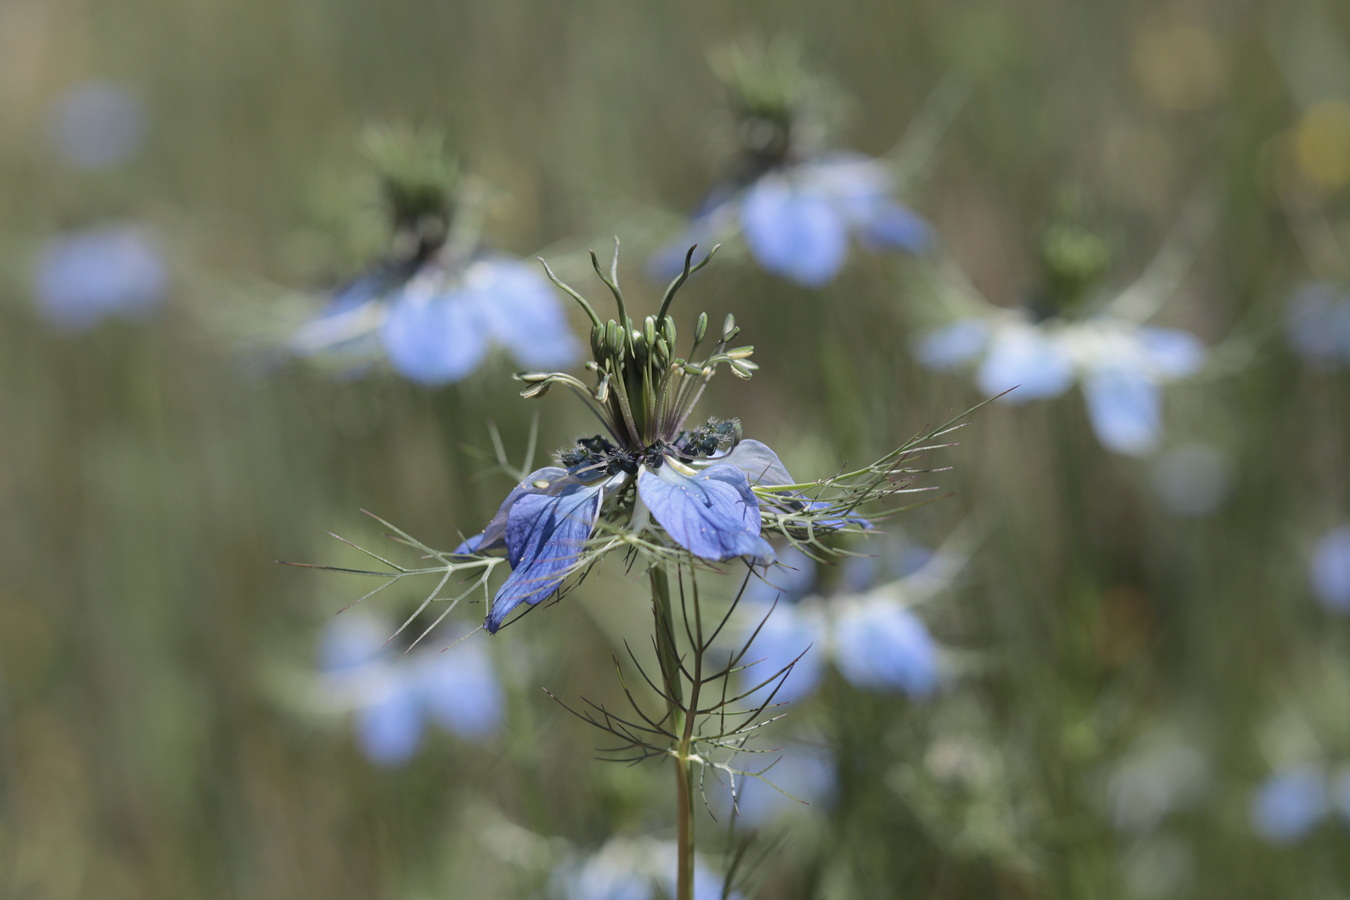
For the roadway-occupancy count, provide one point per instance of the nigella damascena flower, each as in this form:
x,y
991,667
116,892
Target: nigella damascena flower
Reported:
x,y
631,869
441,302
1330,569
797,218
1121,364
797,203
1318,324
393,694
115,270
436,321
866,627
650,480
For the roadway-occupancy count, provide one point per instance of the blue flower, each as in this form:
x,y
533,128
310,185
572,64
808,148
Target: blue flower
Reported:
x,y
436,323
1318,324
84,277
95,125
1330,569
630,870
798,217
874,639
1121,365
393,694
1289,804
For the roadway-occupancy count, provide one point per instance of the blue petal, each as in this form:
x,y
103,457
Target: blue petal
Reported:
x,y
1289,804
461,691
1171,353
860,188
890,225
794,233
759,463
433,337
85,276
389,729
350,641
1022,356
522,312
788,633
954,345
545,536
1331,570
1125,406
712,514
350,322
790,579
881,645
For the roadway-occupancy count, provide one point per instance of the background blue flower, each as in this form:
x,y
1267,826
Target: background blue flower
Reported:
x,y
798,219
1289,804
1330,569
392,694
114,270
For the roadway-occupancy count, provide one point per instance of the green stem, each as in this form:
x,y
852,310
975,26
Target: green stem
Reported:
x,y
667,652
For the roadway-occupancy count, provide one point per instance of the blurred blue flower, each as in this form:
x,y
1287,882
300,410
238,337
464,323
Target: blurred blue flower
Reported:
x,y
799,776
1330,569
797,218
393,694
115,270
95,125
1121,365
436,323
630,870
1289,804
874,639
1318,323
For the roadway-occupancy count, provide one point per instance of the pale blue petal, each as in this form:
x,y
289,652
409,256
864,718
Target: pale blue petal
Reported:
x,y
880,645
860,189
86,276
803,776
351,641
789,580
1331,570
389,729
890,225
522,311
794,233
461,691
1289,804
1027,359
350,323
434,338
1172,353
1125,406
759,463
789,633
712,514
953,345
545,536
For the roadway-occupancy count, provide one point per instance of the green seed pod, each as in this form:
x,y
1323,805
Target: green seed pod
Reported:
x,y
729,329
614,341
701,329
668,331
740,352
742,370
649,330
662,350
597,341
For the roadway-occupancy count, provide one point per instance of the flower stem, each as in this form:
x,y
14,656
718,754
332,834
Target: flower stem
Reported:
x,y
667,652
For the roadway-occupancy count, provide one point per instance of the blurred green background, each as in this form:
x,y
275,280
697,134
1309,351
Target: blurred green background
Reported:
x,y
1123,677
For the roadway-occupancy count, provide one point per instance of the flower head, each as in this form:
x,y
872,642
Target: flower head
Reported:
x,y
114,270
866,628
796,204
393,694
441,302
650,480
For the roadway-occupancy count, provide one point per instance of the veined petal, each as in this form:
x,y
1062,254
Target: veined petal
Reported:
x,y
712,514
434,337
548,480
522,312
1021,356
545,536
881,645
799,234
1125,406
